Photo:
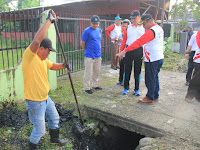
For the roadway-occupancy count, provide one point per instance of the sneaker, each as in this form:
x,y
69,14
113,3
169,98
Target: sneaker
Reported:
x,y
125,92
187,83
137,93
98,88
88,91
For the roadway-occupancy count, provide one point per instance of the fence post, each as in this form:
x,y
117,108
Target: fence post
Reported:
x,y
171,36
51,34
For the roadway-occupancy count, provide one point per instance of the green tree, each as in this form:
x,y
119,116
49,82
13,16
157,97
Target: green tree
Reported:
x,y
4,4
196,13
22,4
182,10
182,24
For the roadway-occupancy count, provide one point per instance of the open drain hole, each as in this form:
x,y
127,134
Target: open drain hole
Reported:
x,y
108,138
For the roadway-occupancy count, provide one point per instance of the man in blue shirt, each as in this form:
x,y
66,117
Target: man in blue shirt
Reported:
x,y
91,43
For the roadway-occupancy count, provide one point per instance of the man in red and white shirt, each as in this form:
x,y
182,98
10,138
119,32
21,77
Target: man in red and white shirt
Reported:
x,y
133,32
153,50
192,47
113,32
194,85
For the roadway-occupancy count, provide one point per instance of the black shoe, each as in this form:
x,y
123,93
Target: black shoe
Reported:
x,y
98,88
114,68
32,146
119,83
88,91
54,133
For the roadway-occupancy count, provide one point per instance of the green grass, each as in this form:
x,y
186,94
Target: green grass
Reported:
x,y
174,62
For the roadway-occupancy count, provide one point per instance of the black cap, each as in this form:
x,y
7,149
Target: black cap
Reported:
x,y
46,43
95,19
134,14
145,17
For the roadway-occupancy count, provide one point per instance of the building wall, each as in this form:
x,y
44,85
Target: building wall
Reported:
x,y
99,7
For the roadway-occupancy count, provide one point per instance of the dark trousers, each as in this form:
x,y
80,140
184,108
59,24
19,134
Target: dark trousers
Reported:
x,y
121,71
194,86
136,56
190,66
151,78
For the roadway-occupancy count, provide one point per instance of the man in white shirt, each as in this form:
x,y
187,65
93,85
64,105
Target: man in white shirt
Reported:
x,y
133,32
192,46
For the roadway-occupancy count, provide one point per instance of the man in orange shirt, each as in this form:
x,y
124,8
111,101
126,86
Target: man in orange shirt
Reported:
x,y
36,86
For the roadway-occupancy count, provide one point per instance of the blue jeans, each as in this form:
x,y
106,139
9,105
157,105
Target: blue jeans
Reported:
x,y
151,78
37,111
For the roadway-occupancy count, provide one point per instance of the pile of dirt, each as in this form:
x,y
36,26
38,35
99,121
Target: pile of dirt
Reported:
x,y
65,115
11,116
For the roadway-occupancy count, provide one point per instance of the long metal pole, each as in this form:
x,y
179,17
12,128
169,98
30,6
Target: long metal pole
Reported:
x,y
65,60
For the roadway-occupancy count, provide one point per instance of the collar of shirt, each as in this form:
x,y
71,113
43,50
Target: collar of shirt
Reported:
x,y
154,24
137,25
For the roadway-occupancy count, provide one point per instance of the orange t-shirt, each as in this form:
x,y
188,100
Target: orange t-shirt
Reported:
x,y
36,85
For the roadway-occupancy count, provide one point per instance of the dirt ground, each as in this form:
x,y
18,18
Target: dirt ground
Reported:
x,y
179,119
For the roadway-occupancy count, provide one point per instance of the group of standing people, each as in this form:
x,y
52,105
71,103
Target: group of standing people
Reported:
x,y
143,39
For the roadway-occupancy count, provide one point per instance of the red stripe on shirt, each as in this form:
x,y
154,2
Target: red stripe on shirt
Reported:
x,y
108,29
145,38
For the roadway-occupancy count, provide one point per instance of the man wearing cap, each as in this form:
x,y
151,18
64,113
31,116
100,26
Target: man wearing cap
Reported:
x,y
36,86
113,32
153,51
133,32
91,43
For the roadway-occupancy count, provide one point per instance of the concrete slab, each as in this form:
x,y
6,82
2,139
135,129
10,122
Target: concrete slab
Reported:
x,y
171,115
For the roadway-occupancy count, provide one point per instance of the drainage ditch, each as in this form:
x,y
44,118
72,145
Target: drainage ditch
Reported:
x,y
15,130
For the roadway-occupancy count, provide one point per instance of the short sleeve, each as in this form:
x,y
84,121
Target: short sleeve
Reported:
x,y
84,36
49,64
192,40
100,33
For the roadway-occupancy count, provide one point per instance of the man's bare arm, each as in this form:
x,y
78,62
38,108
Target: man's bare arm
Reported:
x,y
188,51
41,33
83,45
57,66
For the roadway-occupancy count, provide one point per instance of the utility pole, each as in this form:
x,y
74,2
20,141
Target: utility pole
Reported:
x,y
163,14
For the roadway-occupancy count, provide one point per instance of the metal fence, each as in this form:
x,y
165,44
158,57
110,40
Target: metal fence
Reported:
x,y
71,30
177,37
17,29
